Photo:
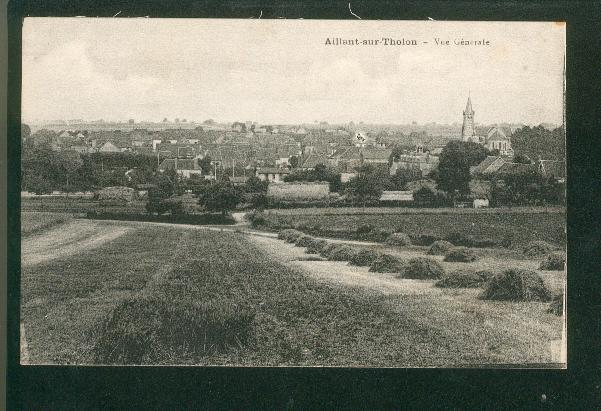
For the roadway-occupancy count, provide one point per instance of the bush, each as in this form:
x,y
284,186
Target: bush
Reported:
x,y
460,255
516,285
303,241
554,261
537,248
289,234
256,218
424,239
341,253
464,279
363,257
315,246
386,263
327,249
556,306
199,219
440,247
423,268
401,239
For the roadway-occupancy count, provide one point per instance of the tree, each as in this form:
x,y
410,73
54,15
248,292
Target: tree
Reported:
x,y
319,173
70,162
205,165
158,195
522,159
402,176
454,166
220,196
424,196
256,185
538,142
365,185
25,131
293,161
397,151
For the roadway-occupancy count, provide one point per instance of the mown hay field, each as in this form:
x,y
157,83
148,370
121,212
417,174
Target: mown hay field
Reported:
x,y
160,295
518,226
33,222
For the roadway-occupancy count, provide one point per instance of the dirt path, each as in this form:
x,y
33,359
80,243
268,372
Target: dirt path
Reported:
x,y
73,237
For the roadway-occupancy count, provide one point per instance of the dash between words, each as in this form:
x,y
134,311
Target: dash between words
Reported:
x,y
389,41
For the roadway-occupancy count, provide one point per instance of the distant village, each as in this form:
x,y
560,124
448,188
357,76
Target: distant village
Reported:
x,y
271,153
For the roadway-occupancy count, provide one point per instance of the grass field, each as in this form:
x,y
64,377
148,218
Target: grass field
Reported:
x,y
180,296
33,222
77,205
521,225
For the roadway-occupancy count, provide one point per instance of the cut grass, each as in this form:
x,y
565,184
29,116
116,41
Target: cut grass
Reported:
x,y
32,222
440,247
464,278
423,268
554,261
538,248
516,285
400,239
460,255
521,224
386,263
280,316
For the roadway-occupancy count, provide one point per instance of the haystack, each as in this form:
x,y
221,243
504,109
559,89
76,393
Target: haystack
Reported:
x,y
516,284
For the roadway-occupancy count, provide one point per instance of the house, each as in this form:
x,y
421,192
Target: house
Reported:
x,y
143,189
346,159
345,177
272,174
489,165
375,155
424,162
516,168
282,161
185,167
176,150
80,149
238,181
109,147
313,160
361,139
481,202
497,139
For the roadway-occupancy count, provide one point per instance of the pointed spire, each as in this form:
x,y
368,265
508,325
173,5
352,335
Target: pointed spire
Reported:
x,y
468,107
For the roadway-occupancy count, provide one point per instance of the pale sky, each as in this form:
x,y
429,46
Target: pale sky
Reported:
x,y
281,71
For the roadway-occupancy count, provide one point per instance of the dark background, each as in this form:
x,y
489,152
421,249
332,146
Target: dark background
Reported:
x,y
52,387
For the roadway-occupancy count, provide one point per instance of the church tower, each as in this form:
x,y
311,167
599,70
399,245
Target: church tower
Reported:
x,y
468,133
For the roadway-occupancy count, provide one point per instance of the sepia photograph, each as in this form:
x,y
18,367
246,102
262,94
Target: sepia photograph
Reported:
x,y
293,193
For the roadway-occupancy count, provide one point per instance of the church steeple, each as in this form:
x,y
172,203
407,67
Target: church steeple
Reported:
x,y
468,107
467,131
